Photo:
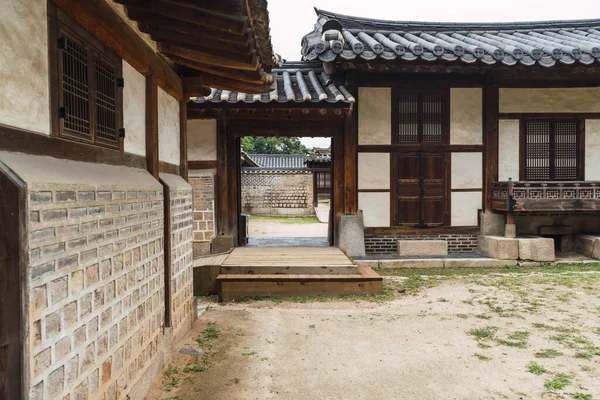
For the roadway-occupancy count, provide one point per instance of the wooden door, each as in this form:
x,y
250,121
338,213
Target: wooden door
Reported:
x,y
420,190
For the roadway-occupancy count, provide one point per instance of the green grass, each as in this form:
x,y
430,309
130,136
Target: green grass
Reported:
x,y
208,337
486,333
310,219
536,368
581,396
559,382
583,355
482,357
548,353
515,339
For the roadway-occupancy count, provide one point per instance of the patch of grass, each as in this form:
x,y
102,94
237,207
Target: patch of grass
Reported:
x,y
209,335
536,368
581,396
286,220
171,375
482,357
252,353
583,355
548,353
483,316
515,339
485,333
559,382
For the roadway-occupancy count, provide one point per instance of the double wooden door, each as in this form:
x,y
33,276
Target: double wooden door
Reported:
x,y
420,190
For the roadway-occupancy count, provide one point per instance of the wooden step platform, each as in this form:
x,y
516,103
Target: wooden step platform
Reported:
x,y
288,260
286,275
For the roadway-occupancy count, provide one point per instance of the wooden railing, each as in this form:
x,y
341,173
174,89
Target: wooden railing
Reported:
x,y
546,196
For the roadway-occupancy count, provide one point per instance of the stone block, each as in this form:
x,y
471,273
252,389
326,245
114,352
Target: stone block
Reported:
x,y
510,231
201,249
351,237
492,224
588,245
477,263
221,244
422,248
499,247
416,263
536,249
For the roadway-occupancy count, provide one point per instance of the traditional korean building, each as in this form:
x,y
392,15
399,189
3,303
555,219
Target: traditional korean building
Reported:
x,y
95,213
462,136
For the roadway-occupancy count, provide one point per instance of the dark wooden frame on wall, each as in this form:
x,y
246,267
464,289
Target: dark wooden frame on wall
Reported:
x,y
59,21
553,117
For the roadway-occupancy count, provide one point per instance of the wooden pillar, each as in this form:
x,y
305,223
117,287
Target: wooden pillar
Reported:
x,y
233,161
490,138
152,125
221,187
350,164
337,147
183,145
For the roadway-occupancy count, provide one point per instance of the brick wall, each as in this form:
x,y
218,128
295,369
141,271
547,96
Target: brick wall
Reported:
x,y
386,244
277,193
203,203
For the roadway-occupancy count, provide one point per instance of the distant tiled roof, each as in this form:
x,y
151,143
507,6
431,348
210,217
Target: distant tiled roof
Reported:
x,y
279,161
319,157
296,82
342,37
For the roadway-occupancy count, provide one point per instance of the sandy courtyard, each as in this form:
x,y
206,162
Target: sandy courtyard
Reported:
x,y
512,336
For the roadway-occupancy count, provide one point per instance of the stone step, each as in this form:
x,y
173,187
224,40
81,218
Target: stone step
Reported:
x,y
533,248
422,248
588,245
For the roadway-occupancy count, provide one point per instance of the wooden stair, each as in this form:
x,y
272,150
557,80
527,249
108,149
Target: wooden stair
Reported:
x,y
293,271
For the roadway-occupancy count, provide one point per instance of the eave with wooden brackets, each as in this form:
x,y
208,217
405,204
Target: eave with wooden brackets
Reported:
x,y
551,196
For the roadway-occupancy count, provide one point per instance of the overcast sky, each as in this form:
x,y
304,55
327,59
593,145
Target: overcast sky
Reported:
x,y
292,19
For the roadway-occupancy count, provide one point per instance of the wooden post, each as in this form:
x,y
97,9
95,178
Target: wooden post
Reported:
x,y
337,148
350,164
233,161
183,145
490,137
152,125
221,187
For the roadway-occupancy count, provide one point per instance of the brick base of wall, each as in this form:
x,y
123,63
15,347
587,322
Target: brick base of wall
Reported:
x,y
386,244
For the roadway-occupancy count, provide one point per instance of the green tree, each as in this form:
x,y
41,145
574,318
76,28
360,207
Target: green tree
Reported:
x,y
273,145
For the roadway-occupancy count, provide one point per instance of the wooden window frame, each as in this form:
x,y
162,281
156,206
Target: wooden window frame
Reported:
x,y
553,118
59,22
395,115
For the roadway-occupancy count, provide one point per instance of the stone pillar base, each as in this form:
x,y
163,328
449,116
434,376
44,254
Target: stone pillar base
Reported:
x,y
352,235
510,231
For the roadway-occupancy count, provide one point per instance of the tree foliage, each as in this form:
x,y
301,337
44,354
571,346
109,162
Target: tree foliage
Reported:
x,y
273,145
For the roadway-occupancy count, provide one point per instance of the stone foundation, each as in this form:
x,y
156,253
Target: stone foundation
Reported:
x,y
277,193
387,244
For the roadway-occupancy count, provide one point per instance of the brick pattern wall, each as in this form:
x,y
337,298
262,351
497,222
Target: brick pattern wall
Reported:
x,y
96,288
181,260
386,244
204,205
276,191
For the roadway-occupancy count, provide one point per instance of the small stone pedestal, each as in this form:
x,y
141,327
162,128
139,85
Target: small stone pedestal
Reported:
x,y
352,235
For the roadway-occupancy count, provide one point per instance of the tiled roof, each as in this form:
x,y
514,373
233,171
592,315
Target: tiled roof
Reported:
x,y
296,82
319,157
342,37
279,161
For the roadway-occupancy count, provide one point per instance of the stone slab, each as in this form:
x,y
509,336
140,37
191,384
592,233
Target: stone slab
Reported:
x,y
536,249
351,237
221,244
477,263
499,247
422,248
492,224
416,263
588,245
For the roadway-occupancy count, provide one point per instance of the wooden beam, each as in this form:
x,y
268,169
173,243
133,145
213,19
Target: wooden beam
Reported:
x,y
152,126
221,186
490,138
235,24
422,231
431,148
325,128
256,77
101,20
210,56
195,165
234,85
229,7
18,140
183,142
159,34
193,87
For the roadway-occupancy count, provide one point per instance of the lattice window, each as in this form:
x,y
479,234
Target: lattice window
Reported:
x,y
421,117
89,98
551,150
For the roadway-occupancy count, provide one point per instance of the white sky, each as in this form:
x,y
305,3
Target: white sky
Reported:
x,y
292,19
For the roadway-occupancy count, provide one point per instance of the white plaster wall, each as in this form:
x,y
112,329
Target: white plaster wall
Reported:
x,y
374,115
375,208
464,208
466,116
467,171
202,139
550,100
373,170
24,81
134,110
592,149
168,128
508,150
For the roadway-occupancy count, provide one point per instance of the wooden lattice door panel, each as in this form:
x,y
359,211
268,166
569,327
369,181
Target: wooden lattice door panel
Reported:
x,y
106,101
422,117
551,150
420,190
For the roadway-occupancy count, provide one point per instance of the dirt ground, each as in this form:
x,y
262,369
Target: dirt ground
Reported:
x,y
286,227
493,336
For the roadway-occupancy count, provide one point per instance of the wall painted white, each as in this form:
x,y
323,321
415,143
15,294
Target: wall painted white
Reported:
x,y
464,208
375,208
592,149
467,171
24,80
374,115
168,128
466,116
508,150
202,139
550,100
134,110
373,170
